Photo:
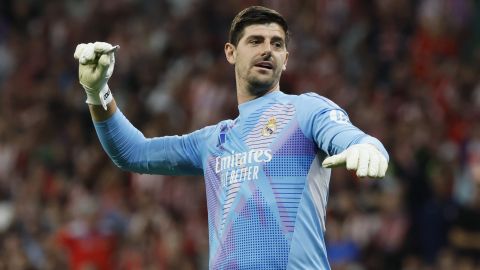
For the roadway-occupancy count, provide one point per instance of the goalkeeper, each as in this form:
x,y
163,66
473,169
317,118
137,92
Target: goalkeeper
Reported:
x,y
266,172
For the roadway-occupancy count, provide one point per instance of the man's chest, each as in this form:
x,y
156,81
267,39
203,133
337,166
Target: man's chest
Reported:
x,y
264,144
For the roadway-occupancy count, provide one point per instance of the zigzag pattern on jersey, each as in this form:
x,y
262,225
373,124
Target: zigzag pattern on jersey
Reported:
x,y
231,195
212,186
283,113
252,131
254,241
293,154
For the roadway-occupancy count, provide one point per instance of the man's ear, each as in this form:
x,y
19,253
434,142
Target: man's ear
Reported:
x,y
230,53
285,63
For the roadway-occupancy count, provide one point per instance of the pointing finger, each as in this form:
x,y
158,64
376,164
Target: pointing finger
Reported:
x,y
335,160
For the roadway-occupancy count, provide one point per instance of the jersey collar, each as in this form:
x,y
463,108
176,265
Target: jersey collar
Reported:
x,y
254,104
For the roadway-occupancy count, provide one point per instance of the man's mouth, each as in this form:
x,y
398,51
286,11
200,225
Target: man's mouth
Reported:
x,y
264,64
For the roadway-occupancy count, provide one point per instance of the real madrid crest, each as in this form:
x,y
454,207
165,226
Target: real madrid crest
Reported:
x,y
270,127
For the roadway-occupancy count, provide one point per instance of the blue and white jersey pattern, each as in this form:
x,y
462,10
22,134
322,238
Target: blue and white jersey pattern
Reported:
x,y
266,189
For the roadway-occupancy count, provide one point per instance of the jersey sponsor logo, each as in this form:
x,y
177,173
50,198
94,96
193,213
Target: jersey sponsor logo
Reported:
x,y
242,166
270,127
339,117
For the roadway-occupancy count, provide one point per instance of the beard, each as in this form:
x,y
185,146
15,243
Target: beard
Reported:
x,y
258,87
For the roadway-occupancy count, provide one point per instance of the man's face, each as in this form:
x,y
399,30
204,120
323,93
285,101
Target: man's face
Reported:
x,y
259,57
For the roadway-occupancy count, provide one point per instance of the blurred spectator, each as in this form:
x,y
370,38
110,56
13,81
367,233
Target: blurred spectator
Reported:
x,y
465,234
87,240
406,71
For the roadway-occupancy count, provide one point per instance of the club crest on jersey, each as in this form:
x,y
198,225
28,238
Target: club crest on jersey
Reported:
x,y
270,127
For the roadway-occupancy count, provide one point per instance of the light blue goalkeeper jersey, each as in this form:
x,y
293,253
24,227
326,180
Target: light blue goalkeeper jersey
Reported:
x,y
266,189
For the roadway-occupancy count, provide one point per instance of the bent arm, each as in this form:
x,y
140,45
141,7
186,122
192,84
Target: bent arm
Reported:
x,y
130,150
330,127
334,137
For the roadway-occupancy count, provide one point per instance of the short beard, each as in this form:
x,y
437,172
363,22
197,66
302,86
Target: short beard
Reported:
x,y
258,89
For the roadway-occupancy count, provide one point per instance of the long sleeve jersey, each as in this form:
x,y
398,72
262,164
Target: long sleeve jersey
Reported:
x,y
266,189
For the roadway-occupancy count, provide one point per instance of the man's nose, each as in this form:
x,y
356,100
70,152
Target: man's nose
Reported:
x,y
267,50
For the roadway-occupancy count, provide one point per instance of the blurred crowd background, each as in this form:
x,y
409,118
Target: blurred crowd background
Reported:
x,y
406,71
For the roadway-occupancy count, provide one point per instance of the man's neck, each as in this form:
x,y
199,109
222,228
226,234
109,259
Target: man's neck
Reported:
x,y
243,95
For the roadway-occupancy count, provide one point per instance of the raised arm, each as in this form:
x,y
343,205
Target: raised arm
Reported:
x,y
126,146
130,150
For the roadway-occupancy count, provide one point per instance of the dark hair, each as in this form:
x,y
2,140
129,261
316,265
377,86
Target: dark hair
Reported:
x,y
255,15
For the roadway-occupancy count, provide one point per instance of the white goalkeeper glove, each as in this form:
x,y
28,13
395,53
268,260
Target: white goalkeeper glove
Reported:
x,y
364,158
96,62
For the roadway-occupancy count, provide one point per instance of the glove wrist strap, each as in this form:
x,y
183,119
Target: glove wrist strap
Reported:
x,y
102,97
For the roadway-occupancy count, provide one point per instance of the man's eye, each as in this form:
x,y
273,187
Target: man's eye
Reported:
x,y
278,44
254,41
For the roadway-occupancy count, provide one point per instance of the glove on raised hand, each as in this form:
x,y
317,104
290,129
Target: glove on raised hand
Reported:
x,y
96,63
364,158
